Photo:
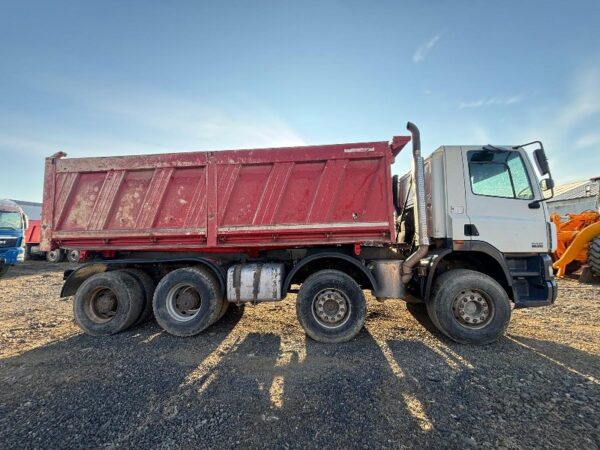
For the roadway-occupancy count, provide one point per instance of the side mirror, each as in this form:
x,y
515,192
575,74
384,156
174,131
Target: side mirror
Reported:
x,y
546,184
25,221
541,162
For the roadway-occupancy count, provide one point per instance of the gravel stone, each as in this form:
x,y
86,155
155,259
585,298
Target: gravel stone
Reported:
x,y
254,380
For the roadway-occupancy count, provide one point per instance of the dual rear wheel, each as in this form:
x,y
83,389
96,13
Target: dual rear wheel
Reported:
x,y
185,302
59,255
108,302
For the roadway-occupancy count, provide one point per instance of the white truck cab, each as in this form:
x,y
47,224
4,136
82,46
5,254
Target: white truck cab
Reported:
x,y
484,212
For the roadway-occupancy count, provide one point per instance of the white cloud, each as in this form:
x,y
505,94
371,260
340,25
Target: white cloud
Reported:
x,y
480,135
175,123
585,98
46,144
423,50
568,127
492,101
588,141
198,123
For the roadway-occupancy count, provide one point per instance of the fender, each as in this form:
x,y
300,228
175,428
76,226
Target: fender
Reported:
x,y
329,255
74,278
433,259
467,247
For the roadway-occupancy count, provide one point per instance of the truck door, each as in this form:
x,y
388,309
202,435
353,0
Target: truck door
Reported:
x,y
500,186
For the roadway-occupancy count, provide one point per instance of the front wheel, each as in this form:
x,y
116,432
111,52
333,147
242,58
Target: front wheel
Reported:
x,y
331,306
594,256
469,307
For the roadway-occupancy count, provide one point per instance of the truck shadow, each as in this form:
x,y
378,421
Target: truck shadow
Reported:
x,y
562,355
32,267
228,388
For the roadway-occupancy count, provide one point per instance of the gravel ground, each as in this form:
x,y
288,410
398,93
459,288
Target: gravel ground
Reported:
x,y
255,380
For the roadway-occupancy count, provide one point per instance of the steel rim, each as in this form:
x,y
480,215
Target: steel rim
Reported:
x,y
102,305
183,302
473,308
331,308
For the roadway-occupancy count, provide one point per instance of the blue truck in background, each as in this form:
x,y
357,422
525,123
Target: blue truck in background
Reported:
x,y
13,223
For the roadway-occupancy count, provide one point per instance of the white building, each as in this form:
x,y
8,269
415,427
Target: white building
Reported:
x,y
32,209
575,197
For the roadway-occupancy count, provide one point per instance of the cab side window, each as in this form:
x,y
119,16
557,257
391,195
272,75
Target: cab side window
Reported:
x,y
499,173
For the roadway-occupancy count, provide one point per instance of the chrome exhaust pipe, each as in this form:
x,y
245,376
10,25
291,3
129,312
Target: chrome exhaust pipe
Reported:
x,y
421,208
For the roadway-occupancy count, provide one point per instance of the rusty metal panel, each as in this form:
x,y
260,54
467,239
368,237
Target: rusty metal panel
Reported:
x,y
32,234
207,200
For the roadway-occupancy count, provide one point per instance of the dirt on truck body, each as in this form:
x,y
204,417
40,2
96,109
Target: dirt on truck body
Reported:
x,y
255,380
184,236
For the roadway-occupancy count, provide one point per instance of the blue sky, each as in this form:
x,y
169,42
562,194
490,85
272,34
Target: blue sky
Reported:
x,y
113,77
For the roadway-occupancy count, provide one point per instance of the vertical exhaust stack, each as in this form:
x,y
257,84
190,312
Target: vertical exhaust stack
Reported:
x,y
421,208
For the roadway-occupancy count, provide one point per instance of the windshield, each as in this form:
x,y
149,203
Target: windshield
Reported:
x,y
10,220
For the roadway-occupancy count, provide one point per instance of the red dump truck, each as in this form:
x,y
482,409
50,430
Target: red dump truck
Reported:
x,y
185,235
32,246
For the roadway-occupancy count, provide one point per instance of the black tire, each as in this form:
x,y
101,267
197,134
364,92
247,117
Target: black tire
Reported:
x,y
416,307
3,269
55,256
469,307
224,304
187,301
336,324
148,286
594,256
224,309
107,303
73,256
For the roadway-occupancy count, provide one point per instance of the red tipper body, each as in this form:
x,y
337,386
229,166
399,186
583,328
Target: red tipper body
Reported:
x,y
32,234
229,200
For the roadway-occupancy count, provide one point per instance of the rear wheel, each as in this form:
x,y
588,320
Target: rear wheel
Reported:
x,y
107,303
469,307
224,309
594,256
224,302
148,286
331,306
73,256
187,301
55,256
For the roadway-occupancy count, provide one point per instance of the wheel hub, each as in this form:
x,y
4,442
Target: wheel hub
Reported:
x,y
472,308
183,302
106,302
187,300
102,305
331,307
